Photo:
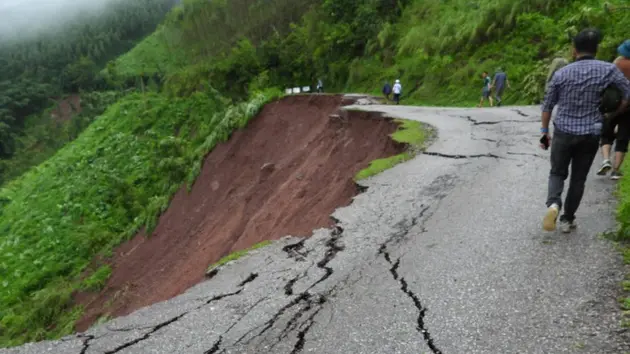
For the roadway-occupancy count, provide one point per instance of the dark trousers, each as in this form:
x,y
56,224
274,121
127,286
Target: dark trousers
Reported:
x,y
577,151
498,94
622,122
397,98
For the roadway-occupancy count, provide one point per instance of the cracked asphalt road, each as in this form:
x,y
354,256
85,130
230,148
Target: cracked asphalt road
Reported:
x,y
442,254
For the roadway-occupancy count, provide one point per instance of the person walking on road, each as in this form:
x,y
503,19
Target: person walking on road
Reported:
x,y
485,91
576,89
320,86
499,83
387,90
620,122
556,64
397,91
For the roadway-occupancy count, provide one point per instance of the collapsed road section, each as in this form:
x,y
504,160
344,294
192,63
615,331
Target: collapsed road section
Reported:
x,y
437,255
284,174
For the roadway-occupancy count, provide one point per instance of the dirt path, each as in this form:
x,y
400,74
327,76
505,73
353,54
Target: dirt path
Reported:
x,y
284,174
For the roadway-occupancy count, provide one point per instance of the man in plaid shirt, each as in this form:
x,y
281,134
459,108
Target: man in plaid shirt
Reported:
x,y
576,89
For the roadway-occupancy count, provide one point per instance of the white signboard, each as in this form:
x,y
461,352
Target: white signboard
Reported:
x,y
296,90
288,91
306,89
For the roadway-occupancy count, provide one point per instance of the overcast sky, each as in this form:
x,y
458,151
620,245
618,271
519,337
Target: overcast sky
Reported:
x,y
25,17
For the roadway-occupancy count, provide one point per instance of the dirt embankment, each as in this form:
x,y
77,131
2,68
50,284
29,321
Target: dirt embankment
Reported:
x,y
283,175
66,108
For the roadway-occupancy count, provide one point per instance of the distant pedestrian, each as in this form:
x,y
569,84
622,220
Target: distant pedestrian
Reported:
x,y
397,91
485,90
387,90
499,84
320,86
576,90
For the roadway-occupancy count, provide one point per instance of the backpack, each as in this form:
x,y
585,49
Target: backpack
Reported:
x,y
610,99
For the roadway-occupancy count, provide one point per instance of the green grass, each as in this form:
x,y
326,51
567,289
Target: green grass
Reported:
x,y
622,237
408,132
116,178
236,255
43,136
97,280
157,53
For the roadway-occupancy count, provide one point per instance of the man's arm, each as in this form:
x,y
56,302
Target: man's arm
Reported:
x,y
549,102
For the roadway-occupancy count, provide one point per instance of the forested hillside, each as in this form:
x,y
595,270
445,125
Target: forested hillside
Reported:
x,y
437,48
182,89
37,72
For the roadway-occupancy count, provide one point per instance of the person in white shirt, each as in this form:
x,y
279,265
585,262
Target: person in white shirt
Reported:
x,y
397,90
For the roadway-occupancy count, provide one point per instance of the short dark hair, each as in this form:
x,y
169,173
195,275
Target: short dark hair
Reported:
x,y
587,41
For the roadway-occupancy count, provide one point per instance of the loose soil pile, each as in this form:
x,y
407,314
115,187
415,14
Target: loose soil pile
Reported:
x,y
282,175
66,108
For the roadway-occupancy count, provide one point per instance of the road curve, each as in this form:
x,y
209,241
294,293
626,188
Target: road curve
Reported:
x,y
442,254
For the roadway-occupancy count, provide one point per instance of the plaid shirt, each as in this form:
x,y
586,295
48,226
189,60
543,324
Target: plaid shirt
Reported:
x,y
576,89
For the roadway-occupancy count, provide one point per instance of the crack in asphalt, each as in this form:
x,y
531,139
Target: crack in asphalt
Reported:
x,y
294,250
288,287
526,154
458,157
485,139
212,273
519,112
397,236
332,248
299,345
305,296
215,347
167,322
404,287
86,343
147,335
476,122
249,279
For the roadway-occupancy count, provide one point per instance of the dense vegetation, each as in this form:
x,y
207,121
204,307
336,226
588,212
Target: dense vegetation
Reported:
x,y
37,71
202,73
437,48
116,178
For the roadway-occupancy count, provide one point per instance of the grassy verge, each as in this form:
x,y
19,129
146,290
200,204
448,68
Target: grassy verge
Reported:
x,y
236,255
622,237
116,178
409,132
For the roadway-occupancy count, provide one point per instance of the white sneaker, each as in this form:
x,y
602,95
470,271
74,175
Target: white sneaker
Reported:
x,y
549,222
606,166
567,226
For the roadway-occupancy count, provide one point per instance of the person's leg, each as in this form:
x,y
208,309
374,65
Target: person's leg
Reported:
x,y
490,99
583,155
607,138
498,96
561,148
621,145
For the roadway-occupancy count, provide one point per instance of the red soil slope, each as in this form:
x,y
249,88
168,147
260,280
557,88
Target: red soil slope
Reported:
x,y
66,108
283,175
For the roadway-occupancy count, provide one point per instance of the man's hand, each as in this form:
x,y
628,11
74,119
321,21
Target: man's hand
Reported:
x,y
545,146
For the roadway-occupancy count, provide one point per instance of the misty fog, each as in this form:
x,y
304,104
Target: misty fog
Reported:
x,y
20,19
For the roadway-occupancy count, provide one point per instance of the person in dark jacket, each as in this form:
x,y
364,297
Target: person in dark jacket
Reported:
x,y
387,90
